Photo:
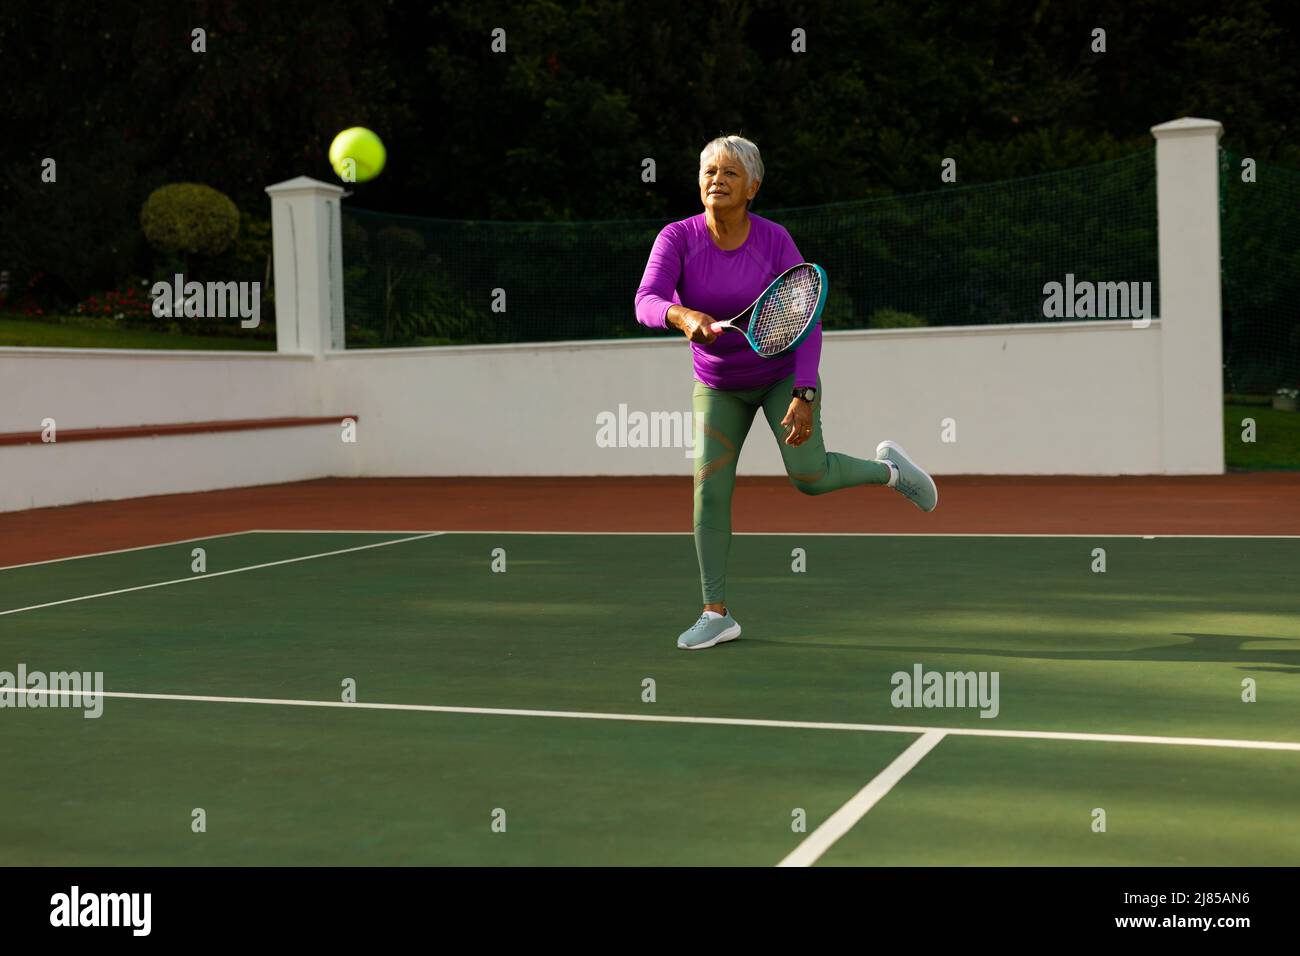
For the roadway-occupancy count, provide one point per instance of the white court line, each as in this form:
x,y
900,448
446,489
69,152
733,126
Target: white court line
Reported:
x,y
788,534
344,531
143,547
713,721
846,817
216,574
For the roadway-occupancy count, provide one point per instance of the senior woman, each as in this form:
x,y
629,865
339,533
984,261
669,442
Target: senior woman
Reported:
x,y
711,267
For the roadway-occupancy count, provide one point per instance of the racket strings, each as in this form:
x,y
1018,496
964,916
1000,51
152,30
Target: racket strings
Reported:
x,y
785,313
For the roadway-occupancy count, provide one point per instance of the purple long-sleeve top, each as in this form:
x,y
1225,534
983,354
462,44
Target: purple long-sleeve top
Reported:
x,y
687,268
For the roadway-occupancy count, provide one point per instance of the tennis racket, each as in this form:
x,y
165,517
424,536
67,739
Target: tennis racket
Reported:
x,y
785,314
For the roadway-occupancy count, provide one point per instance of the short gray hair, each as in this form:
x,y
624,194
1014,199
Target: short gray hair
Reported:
x,y
744,150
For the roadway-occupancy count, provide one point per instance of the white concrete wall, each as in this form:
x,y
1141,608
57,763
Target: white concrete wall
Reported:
x,y
101,388
1064,398
40,476
1060,398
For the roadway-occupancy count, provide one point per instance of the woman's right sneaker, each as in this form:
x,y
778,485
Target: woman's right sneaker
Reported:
x,y
712,628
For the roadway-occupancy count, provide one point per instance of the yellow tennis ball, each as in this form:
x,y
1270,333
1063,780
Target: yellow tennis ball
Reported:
x,y
357,154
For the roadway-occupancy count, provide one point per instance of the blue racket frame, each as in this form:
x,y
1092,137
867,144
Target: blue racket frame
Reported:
x,y
824,290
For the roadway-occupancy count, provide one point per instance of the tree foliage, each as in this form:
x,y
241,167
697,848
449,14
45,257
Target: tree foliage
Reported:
x,y
558,126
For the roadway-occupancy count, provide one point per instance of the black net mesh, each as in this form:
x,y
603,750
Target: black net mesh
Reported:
x,y
971,255
1260,242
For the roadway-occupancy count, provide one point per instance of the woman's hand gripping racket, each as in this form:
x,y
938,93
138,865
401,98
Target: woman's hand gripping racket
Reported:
x,y
785,314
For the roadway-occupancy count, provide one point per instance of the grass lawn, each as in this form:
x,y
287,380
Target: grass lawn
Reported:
x,y
69,333
1277,438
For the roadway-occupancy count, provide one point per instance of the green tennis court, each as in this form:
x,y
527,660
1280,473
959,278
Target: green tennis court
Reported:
x,y
1157,646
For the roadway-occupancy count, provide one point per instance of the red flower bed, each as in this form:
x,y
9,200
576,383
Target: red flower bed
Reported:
x,y
124,302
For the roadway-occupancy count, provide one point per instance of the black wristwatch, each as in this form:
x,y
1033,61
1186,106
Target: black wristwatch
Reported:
x,y
807,393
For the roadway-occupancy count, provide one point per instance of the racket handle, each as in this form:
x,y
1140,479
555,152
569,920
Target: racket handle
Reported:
x,y
717,327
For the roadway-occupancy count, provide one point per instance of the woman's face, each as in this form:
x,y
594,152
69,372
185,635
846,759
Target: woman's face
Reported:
x,y
724,184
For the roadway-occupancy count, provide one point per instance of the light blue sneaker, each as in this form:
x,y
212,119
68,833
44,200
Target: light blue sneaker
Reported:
x,y
712,628
912,481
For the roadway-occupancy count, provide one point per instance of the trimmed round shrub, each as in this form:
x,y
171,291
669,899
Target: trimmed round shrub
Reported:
x,y
189,219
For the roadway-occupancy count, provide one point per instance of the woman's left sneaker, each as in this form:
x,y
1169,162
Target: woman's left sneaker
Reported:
x,y
910,479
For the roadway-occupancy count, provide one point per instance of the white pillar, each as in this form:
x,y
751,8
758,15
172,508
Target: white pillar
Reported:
x,y
1187,201
307,248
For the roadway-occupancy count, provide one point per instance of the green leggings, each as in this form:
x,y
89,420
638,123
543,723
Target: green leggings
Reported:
x,y
723,418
